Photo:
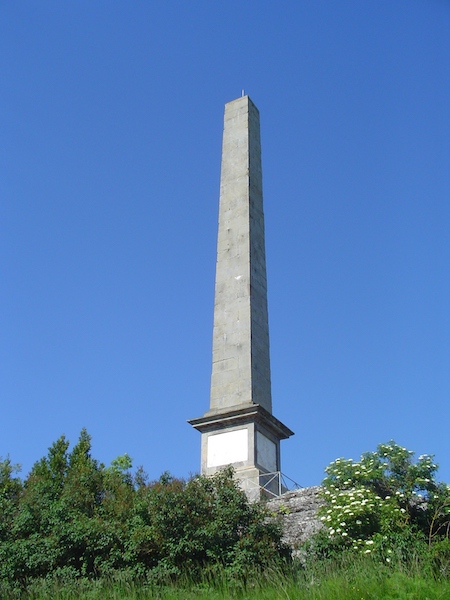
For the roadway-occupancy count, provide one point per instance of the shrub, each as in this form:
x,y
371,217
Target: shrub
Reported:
x,y
384,497
74,517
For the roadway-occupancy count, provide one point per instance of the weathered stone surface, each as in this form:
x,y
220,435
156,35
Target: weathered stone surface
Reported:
x,y
241,363
298,512
241,400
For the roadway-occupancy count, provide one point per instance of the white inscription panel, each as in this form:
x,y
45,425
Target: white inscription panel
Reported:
x,y
227,448
267,452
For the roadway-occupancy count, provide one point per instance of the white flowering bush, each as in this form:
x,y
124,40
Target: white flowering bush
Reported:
x,y
353,516
383,494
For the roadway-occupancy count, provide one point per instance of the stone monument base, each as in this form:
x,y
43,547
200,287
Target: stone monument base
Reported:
x,y
248,439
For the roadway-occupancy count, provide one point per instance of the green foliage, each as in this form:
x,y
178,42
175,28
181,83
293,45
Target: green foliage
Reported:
x,y
79,529
121,464
10,491
73,518
384,501
184,527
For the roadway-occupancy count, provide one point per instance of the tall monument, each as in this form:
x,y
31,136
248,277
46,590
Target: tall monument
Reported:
x,y
239,428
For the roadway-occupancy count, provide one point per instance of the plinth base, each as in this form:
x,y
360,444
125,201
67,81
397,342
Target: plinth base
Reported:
x,y
246,437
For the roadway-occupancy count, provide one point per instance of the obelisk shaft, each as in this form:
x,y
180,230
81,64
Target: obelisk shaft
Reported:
x,y
239,427
241,363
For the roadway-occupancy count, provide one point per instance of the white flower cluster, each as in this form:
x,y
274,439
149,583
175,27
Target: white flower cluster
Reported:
x,y
366,498
349,511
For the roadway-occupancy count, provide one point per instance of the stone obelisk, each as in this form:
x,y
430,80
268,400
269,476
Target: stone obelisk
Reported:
x,y
239,428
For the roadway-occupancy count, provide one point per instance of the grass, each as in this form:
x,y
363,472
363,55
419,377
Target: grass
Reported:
x,y
354,579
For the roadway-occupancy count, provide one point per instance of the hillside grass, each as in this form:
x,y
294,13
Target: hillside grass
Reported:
x,y
348,579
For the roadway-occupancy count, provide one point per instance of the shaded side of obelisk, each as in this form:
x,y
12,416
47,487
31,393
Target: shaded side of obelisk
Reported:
x,y
239,428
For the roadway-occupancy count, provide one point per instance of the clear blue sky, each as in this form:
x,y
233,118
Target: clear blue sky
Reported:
x,y
111,124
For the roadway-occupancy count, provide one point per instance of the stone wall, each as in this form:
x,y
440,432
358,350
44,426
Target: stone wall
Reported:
x,y
298,512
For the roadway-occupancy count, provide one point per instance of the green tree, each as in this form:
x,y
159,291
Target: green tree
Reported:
x,y
75,517
11,488
205,522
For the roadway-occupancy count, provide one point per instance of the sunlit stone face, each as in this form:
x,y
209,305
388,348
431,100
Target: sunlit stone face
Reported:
x,y
227,448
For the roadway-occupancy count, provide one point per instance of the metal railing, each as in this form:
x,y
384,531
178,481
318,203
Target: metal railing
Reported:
x,y
270,485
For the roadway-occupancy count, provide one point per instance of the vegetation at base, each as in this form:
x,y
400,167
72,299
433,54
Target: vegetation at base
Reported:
x,y
77,529
74,518
345,578
385,501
